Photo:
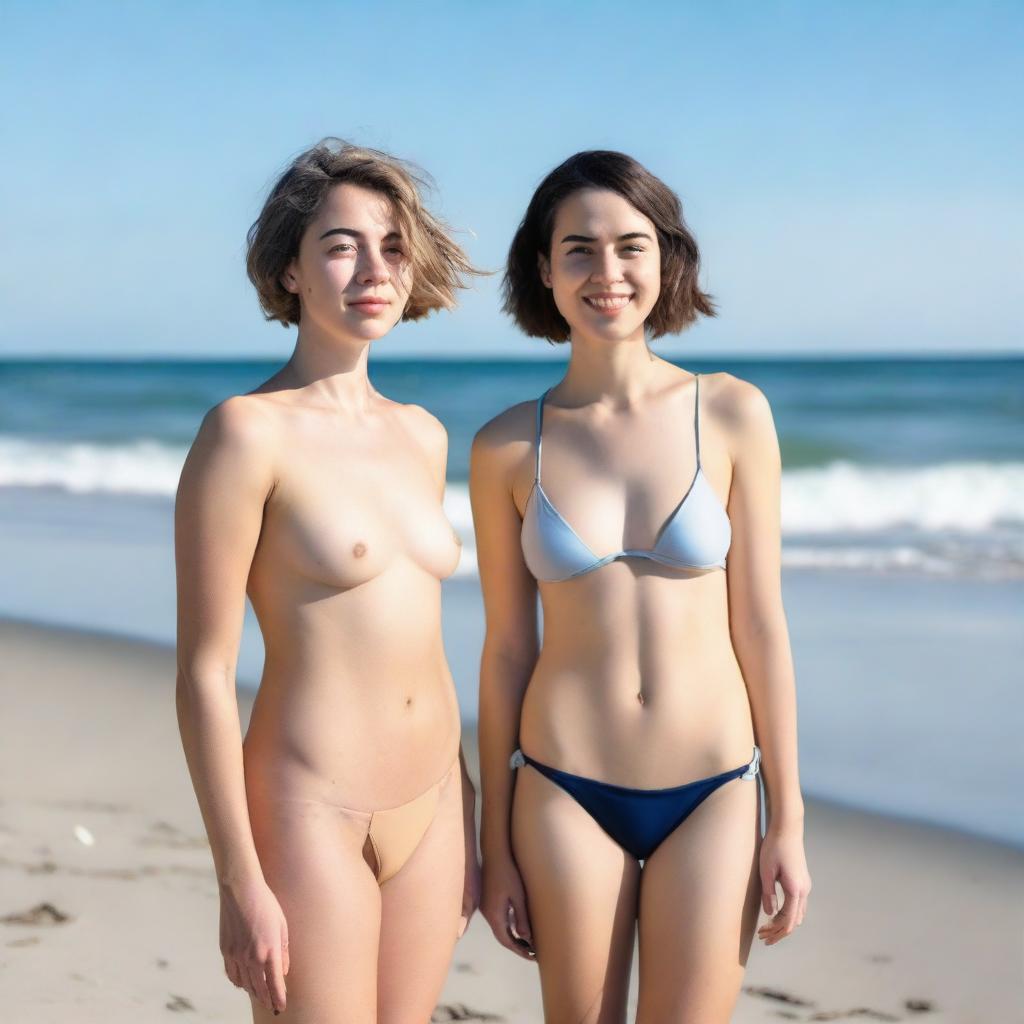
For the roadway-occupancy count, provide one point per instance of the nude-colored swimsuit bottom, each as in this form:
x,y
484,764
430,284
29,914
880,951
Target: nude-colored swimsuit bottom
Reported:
x,y
394,833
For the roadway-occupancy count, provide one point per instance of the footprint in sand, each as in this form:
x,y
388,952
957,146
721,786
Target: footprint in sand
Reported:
x,y
777,995
858,1011
459,1011
41,913
170,837
179,1004
919,1005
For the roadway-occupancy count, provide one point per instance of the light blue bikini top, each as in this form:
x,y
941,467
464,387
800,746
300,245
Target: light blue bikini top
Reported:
x,y
696,536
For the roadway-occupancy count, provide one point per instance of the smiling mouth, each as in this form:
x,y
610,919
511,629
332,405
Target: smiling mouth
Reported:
x,y
607,303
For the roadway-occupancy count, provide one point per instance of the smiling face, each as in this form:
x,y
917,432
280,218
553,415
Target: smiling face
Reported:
x,y
353,272
605,265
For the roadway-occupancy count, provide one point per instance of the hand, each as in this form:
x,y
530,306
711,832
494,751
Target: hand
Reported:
x,y
471,885
783,861
254,942
504,906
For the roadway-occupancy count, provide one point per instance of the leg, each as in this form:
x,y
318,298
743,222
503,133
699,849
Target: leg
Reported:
x,y
581,889
312,859
699,899
420,909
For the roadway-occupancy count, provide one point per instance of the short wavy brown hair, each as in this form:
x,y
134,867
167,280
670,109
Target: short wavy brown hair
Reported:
x,y
438,264
531,303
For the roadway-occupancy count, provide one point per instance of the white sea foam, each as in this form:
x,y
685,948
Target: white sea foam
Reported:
x,y
142,467
938,518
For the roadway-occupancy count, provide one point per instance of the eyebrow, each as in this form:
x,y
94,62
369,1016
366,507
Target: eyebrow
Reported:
x,y
356,234
621,238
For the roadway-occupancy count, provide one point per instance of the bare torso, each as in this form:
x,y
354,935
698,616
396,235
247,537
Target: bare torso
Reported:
x,y
356,706
637,681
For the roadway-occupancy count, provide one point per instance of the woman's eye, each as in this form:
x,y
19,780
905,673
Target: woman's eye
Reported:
x,y
395,252
342,247
578,248
634,248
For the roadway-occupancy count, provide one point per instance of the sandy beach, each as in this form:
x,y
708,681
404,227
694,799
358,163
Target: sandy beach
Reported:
x,y
108,903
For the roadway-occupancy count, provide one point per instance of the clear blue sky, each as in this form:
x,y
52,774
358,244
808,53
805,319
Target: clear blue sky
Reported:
x,y
852,171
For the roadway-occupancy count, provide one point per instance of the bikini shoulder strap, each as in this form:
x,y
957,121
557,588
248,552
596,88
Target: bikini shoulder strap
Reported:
x,y
540,423
696,414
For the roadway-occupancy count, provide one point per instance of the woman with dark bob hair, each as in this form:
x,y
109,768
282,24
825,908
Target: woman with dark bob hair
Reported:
x,y
651,530
342,828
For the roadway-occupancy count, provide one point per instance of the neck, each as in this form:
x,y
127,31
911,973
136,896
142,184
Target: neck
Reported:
x,y
616,370
331,370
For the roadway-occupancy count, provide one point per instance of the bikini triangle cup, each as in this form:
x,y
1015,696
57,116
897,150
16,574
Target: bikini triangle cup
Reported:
x,y
696,535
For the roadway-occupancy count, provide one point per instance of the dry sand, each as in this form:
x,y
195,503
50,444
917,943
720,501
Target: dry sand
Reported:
x,y
906,922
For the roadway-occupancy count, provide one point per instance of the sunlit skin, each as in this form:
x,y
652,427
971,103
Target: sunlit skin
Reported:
x,y
648,676
605,267
351,273
321,499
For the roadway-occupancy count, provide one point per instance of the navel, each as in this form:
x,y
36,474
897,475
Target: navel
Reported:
x,y
640,698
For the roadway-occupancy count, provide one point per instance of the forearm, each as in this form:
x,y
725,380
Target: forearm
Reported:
x,y
468,795
502,686
766,662
211,738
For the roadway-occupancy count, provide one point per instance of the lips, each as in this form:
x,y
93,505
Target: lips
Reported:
x,y
607,303
369,305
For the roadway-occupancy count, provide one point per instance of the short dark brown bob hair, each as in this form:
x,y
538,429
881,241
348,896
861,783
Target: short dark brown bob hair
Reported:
x,y
273,240
531,303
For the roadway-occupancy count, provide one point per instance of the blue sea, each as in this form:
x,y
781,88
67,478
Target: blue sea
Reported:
x,y
889,465
903,543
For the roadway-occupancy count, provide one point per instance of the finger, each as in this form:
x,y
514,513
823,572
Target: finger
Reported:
x,y
285,958
275,980
231,970
503,933
784,922
518,946
509,938
520,920
769,901
259,986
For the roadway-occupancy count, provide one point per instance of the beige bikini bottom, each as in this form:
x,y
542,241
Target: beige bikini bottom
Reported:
x,y
394,833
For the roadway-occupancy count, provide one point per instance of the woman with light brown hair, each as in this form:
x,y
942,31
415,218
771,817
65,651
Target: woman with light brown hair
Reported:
x,y
342,828
641,502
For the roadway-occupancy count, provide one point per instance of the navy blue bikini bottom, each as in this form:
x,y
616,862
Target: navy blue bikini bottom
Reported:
x,y
640,820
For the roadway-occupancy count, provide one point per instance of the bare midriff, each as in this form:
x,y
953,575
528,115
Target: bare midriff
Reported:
x,y
356,707
637,682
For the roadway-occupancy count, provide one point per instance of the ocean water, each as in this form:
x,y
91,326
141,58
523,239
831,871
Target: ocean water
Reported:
x,y
888,465
903,545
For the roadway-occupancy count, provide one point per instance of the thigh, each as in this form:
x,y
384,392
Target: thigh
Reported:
x,y
312,859
581,890
420,909
699,899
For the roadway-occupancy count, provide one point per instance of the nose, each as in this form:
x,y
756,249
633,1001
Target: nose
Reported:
x,y
373,268
607,268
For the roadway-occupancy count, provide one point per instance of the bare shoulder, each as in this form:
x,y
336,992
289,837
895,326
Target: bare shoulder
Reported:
x,y
241,422
739,406
427,431
424,424
236,447
509,433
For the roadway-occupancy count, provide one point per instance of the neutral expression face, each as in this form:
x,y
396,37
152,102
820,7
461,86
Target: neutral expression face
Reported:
x,y
353,273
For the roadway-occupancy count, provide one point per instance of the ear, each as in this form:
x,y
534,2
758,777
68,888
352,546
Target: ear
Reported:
x,y
544,268
289,279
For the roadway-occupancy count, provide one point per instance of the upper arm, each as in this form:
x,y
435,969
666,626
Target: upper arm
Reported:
x,y
509,591
429,433
754,561
225,482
